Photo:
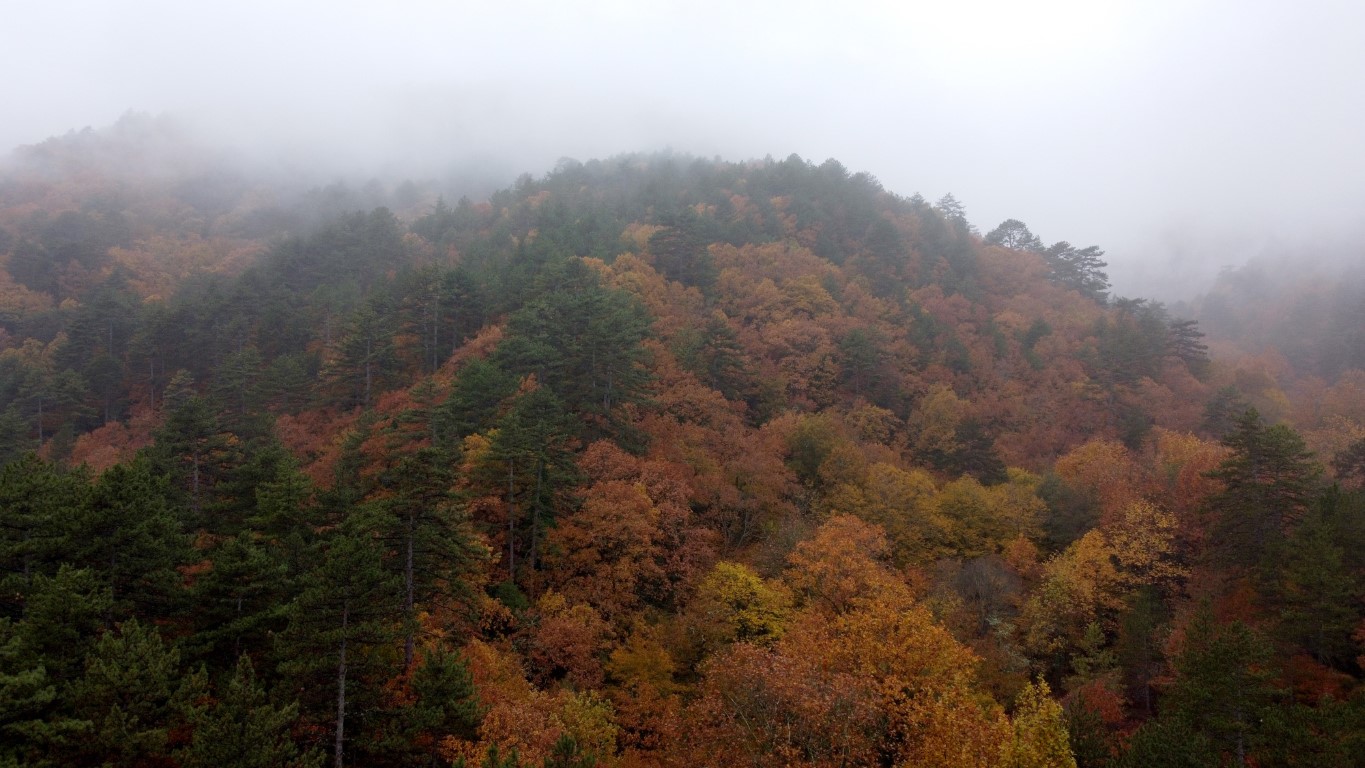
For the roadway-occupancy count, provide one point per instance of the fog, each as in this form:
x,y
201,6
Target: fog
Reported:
x,y
1179,136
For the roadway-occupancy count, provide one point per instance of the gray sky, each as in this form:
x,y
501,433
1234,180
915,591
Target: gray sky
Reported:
x,y
1179,135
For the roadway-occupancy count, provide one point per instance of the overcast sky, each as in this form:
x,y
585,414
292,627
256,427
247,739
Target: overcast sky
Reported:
x,y
1171,133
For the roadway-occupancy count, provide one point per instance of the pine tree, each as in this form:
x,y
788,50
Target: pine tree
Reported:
x,y
1315,594
245,729
531,453
32,722
339,626
134,693
37,500
1269,482
128,534
430,547
1223,688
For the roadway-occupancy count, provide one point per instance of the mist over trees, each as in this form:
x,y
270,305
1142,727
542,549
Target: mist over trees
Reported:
x,y
652,460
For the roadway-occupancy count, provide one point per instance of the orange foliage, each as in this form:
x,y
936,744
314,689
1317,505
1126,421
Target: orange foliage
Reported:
x,y
115,442
1105,470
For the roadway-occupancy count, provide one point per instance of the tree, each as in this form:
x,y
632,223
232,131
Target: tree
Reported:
x,y
1014,234
365,359
480,387
438,702
733,604
127,533
344,615
1269,479
1080,270
1349,464
1040,734
1315,593
134,693
431,548
1223,689
241,601
245,729
38,500
680,254
583,342
531,451
1183,343
32,726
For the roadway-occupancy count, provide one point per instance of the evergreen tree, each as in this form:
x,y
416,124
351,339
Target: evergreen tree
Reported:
x,y
1081,270
1184,344
365,359
567,754
1315,594
531,453
340,625
479,389
1223,689
584,343
63,616
241,601
1269,481
245,729
1013,233
430,547
38,501
134,694
129,535
32,722
441,703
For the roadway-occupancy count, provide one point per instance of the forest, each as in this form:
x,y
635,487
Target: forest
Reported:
x,y
653,461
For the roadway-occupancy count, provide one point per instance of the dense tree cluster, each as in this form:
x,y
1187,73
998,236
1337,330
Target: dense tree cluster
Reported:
x,y
651,461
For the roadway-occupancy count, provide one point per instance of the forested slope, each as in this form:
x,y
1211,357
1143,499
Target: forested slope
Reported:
x,y
650,461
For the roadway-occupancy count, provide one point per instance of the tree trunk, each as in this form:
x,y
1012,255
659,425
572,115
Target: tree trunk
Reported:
x,y
511,522
409,602
341,685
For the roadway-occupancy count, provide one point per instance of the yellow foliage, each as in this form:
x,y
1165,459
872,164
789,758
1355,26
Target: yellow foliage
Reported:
x,y
1040,734
981,520
643,661
1142,537
734,604
935,420
1079,586
591,721
898,500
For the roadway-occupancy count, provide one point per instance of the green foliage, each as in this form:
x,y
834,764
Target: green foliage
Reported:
x,y
245,729
32,724
1223,690
1012,233
1081,270
680,254
583,342
566,754
442,704
1092,744
479,389
38,501
530,456
134,694
1315,594
63,616
128,533
1269,483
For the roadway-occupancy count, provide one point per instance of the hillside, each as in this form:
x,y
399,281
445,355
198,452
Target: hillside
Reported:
x,y
653,460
